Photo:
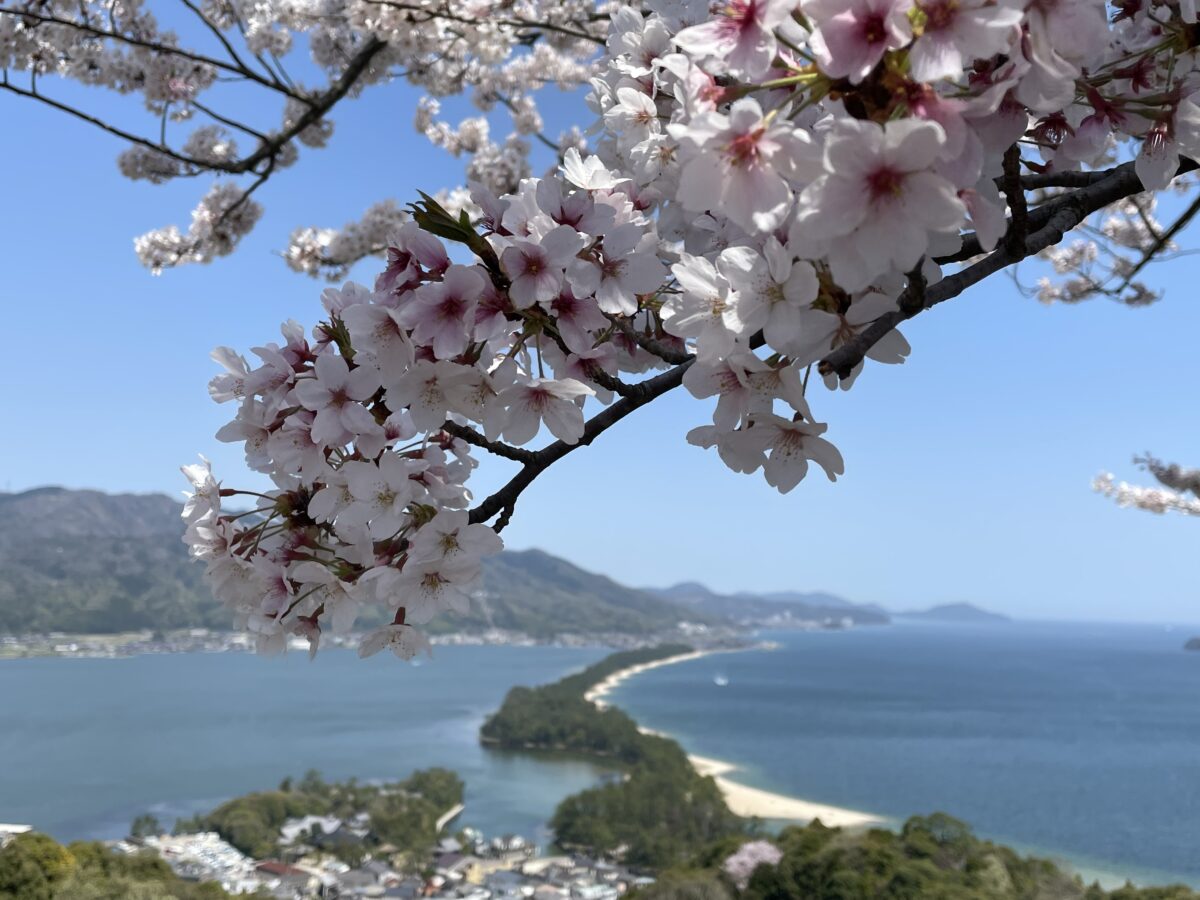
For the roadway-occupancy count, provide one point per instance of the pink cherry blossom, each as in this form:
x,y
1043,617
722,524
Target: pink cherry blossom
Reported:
x,y
441,314
879,201
956,32
536,269
544,401
335,394
741,34
622,267
851,36
741,165
403,640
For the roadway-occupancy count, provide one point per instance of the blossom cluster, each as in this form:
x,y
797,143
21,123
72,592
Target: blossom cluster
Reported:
x,y
496,52
766,185
740,865
1176,483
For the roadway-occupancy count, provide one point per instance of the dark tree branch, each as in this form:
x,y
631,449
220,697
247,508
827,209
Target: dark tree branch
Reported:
x,y
220,36
1060,216
466,20
267,149
1018,225
1160,242
157,46
649,344
505,499
498,448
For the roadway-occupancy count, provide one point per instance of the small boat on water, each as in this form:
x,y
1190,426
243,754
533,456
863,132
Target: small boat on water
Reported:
x,y
720,681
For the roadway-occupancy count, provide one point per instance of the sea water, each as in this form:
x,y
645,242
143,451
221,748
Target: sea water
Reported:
x,y
1077,741
87,744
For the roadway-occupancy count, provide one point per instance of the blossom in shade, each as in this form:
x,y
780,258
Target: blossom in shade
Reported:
x,y
957,32
707,310
535,269
425,589
441,314
741,34
618,270
878,201
740,164
1177,132
851,36
545,401
426,389
403,640
381,493
789,446
337,596
336,395
379,337
450,536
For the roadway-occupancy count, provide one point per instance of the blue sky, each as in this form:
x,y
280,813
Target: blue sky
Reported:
x,y
968,468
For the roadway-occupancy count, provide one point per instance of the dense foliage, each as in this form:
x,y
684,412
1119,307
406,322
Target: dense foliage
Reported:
x,y
930,858
403,814
654,816
82,561
35,867
557,717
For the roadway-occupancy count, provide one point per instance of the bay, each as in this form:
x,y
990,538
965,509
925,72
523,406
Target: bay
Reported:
x,y
87,744
1077,741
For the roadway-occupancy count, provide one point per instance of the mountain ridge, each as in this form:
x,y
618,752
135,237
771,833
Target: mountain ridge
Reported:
x,y
779,608
86,561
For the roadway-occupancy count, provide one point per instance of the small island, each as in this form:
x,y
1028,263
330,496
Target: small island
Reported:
x,y
1193,644
954,612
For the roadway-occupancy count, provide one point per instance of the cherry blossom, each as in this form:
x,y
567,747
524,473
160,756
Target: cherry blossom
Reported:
x,y
851,37
442,314
335,393
536,269
403,640
766,192
739,163
879,201
741,34
544,401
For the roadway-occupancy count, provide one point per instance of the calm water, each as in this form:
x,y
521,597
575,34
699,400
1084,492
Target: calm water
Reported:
x,y
1075,740
1082,741
86,744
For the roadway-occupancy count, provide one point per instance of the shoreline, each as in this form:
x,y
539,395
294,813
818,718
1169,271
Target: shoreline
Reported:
x,y
742,800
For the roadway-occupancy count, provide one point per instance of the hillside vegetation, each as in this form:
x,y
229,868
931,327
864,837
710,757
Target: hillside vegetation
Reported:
x,y
658,812
932,857
36,867
89,562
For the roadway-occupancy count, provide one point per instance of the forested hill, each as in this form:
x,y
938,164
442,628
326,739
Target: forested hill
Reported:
x,y
86,561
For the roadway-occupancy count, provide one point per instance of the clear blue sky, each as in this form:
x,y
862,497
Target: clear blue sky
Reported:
x,y
968,468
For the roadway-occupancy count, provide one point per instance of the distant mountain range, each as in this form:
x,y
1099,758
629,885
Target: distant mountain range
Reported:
x,y
87,561
779,608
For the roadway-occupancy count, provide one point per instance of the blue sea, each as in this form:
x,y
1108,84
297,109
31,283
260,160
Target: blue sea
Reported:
x,y
1080,742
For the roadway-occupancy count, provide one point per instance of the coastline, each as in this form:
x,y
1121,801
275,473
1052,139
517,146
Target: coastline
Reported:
x,y
742,800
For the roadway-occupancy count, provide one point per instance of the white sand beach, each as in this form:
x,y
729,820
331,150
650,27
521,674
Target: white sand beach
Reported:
x,y
741,799
597,693
748,801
